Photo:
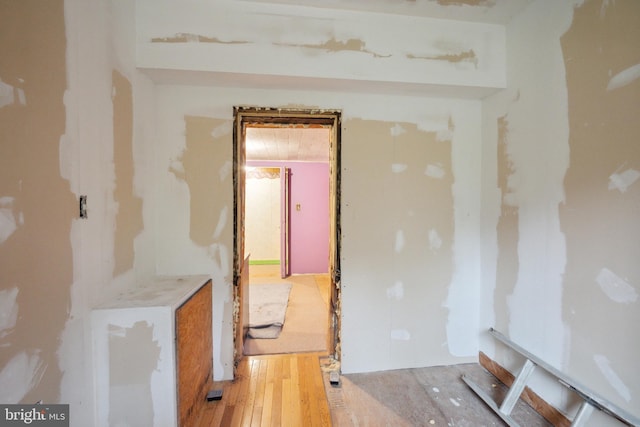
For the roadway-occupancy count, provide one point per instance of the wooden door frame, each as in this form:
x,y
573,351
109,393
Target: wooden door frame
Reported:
x,y
270,117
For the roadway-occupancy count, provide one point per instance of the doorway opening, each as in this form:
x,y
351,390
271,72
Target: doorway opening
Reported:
x,y
248,122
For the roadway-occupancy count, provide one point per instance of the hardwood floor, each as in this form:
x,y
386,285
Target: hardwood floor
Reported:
x,y
272,390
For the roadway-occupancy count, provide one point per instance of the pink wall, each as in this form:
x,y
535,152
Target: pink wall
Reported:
x,y
310,224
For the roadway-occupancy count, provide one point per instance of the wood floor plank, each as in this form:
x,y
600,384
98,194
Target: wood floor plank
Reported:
x,y
260,395
206,416
306,398
250,402
276,403
265,420
233,389
296,414
320,416
227,416
217,416
286,415
286,367
324,413
242,394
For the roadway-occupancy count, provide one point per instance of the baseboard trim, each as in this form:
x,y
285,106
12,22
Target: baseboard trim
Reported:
x,y
548,412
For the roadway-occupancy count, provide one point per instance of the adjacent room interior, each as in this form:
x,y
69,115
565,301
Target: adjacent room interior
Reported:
x,y
287,219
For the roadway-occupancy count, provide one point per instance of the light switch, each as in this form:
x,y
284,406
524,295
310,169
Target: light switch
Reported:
x,y
298,206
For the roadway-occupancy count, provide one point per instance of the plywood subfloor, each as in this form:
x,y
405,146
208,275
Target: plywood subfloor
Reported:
x,y
434,396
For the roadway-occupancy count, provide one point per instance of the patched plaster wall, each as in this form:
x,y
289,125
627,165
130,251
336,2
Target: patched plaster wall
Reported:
x,y
66,129
601,213
411,171
38,207
551,161
411,174
129,216
307,47
560,202
398,247
131,396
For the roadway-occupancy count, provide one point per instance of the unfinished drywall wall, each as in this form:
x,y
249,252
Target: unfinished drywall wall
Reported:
x,y
375,51
36,258
398,200
130,372
67,91
196,195
507,228
524,161
197,167
487,3
493,11
129,215
325,58
560,208
410,224
601,214
61,105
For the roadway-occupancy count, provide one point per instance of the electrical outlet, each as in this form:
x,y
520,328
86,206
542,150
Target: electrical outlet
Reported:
x,y
83,207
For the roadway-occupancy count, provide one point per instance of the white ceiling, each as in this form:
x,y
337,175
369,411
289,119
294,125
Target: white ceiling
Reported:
x,y
487,11
288,144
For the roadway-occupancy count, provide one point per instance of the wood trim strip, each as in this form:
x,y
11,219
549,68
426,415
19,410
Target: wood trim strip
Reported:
x,y
551,414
